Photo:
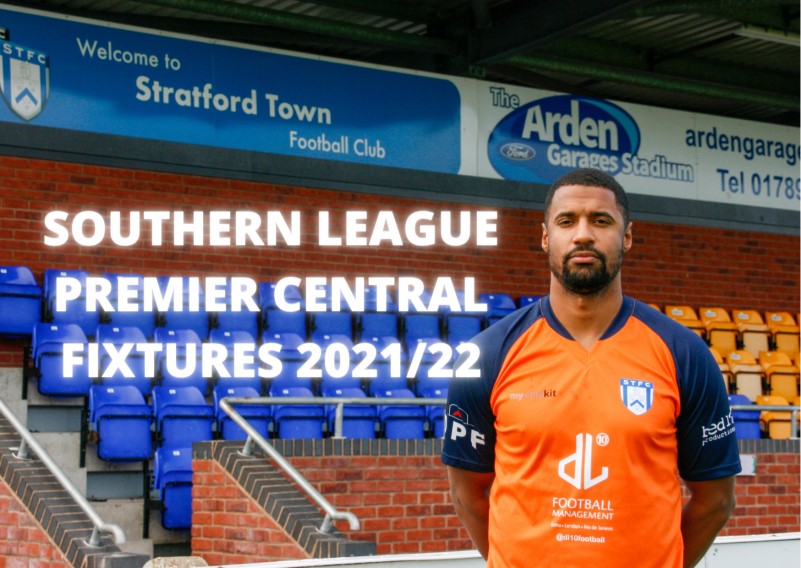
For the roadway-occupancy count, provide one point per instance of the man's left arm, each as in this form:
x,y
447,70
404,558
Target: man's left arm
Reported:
x,y
710,505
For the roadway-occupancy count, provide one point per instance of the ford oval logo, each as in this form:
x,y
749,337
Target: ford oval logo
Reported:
x,y
516,151
548,137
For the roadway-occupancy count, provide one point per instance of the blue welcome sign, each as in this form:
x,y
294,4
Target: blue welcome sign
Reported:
x,y
90,77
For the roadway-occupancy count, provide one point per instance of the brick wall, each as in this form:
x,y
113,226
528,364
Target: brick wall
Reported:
x,y
668,264
403,502
399,491
228,527
769,502
23,543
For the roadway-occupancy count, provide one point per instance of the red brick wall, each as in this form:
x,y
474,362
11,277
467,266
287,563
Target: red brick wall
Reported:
x,y
23,543
404,505
669,263
769,502
228,527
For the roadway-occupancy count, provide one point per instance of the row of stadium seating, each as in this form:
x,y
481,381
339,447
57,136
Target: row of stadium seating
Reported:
x,y
771,373
744,329
756,423
23,303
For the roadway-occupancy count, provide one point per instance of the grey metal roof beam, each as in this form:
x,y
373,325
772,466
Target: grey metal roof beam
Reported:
x,y
520,26
657,81
324,27
420,13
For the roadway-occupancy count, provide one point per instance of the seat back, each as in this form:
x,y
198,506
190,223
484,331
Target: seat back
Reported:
x,y
499,305
47,341
20,301
75,311
144,320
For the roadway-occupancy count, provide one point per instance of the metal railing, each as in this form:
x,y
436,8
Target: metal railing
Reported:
x,y
28,442
331,513
792,410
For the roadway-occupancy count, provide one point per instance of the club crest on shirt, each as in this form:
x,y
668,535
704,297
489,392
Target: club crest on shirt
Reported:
x,y
637,396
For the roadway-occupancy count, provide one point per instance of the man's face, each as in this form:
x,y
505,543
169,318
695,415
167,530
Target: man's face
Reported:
x,y
585,238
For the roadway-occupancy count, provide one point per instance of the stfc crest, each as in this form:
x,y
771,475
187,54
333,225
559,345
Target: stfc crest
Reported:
x,y
24,79
638,396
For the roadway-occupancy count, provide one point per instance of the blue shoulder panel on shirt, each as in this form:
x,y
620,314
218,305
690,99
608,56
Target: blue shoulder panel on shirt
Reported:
x,y
469,422
705,429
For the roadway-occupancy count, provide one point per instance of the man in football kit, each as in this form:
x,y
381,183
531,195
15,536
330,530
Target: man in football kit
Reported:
x,y
567,450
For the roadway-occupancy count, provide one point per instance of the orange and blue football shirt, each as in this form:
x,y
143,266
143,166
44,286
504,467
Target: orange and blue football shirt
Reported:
x,y
587,446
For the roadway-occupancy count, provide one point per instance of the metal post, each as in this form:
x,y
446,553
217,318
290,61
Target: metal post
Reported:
x,y
338,418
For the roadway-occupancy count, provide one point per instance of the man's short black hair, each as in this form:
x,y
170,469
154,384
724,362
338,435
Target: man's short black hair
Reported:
x,y
591,178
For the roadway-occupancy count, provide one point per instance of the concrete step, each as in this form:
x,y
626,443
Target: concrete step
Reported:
x,y
129,513
63,448
138,546
37,399
10,384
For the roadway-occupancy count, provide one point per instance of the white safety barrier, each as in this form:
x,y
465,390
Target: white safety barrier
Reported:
x,y
774,550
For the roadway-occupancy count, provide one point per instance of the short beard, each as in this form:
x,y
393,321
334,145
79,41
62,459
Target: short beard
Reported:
x,y
587,281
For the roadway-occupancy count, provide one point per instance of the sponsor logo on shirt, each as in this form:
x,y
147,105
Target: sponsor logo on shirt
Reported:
x,y
717,430
458,427
577,468
547,393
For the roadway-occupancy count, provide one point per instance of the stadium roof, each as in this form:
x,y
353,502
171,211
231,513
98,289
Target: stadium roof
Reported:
x,y
735,58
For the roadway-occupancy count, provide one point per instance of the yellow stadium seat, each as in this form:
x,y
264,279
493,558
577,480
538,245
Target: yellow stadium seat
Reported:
x,y
754,332
783,331
725,370
781,375
775,424
747,374
721,332
685,315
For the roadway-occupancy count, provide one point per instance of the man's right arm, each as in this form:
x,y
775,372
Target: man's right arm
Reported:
x,y
470,495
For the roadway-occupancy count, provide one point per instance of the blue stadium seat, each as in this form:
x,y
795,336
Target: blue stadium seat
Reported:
x,y
358,421
229,339
331,323
121,419
384,381
460,328
20,301
746,422
433,387
371,303
47,344
76,311
184,375
197,321
498,306
228,320
276,321
182,416
401,422
258,416
371,324
343,376
524,301
172,480
111,335
297,420
291,361
145,321
267,301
